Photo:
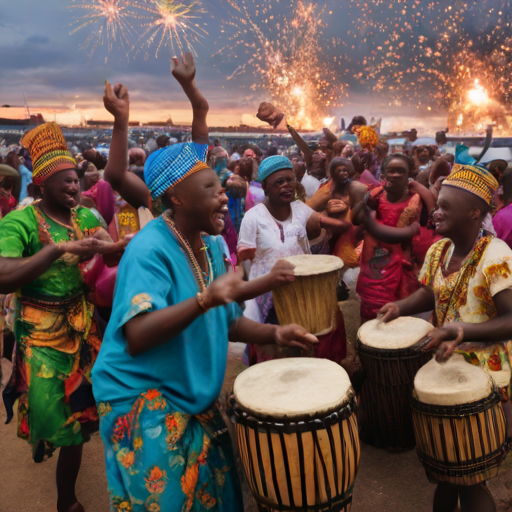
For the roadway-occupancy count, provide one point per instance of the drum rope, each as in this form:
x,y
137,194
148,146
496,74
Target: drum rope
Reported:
x,y
334,458
260,464
287,470
319,454
273,468
302,468
253,462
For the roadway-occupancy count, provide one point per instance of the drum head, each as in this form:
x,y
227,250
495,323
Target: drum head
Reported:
x,y
314,264
297,388
397,334
455,382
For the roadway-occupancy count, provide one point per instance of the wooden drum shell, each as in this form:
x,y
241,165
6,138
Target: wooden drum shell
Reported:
x,y
386,395
308,465
461,445
309,301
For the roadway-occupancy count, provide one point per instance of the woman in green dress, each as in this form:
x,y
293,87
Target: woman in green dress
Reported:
x,y
41,248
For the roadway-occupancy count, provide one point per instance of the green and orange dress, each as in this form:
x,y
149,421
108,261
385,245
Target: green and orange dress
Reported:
x,y
56,337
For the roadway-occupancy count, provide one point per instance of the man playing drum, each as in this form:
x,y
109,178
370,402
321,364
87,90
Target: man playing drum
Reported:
x,y
161,369
467,281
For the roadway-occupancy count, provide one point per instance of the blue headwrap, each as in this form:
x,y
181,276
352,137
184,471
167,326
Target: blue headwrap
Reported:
x,y
273,164
168,166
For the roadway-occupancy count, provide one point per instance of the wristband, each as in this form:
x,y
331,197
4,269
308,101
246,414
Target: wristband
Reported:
x,y
201,303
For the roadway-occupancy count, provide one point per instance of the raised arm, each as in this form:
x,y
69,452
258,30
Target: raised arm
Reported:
x,y
185,72
131,188
388,234
302,144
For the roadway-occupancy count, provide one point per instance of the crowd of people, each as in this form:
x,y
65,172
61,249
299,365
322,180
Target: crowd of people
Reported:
x,y
121,323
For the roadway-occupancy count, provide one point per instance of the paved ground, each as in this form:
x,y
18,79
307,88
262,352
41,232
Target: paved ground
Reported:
x,y
385,482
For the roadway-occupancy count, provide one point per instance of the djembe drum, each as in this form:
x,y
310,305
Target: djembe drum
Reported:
x,y
310,300
390,358
459,422
297,434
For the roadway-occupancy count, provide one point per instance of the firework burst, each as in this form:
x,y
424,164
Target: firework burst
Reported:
x,y
141,25
110,21
169,23
285,55
430,53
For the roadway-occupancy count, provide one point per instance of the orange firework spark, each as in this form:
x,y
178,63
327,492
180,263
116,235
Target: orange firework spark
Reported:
x,y
425,53
169,23
110,21
285,54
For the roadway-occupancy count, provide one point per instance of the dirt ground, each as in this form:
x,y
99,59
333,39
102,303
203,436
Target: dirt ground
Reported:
x,y
385,482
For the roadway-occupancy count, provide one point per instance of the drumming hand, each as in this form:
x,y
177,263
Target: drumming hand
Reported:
x,y
389,312
223,290
446,338
295,336
282,272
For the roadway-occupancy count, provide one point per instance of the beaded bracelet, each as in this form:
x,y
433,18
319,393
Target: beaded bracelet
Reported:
x,y
201,303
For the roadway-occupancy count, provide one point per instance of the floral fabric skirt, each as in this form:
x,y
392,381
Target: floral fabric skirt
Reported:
x,y
56,346
160,460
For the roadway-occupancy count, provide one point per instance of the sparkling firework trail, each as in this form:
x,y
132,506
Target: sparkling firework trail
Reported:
x,y
110,21
169,23
140,25
285,55
430,53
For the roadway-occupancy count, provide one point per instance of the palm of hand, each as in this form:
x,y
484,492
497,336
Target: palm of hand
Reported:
x,y
116,100
185,68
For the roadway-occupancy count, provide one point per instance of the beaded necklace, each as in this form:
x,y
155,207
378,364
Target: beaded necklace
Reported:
x,y
45,237
203,278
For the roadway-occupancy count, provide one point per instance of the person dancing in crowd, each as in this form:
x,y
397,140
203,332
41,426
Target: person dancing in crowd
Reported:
x,y
26,175
338,198
395,243
365,167
10,186
502,220
467,281
162,364
41,247
132,189
137,159
275,229
96,193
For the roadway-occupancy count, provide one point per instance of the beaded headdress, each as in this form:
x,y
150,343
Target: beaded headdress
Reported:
x,y
48,150
368,137
168,166
470,176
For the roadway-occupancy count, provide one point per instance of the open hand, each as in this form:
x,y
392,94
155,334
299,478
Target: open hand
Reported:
x,y
446,338
389,312
294,335
117,101
184,69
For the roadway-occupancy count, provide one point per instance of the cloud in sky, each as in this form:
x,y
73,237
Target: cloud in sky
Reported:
x,y
40,58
